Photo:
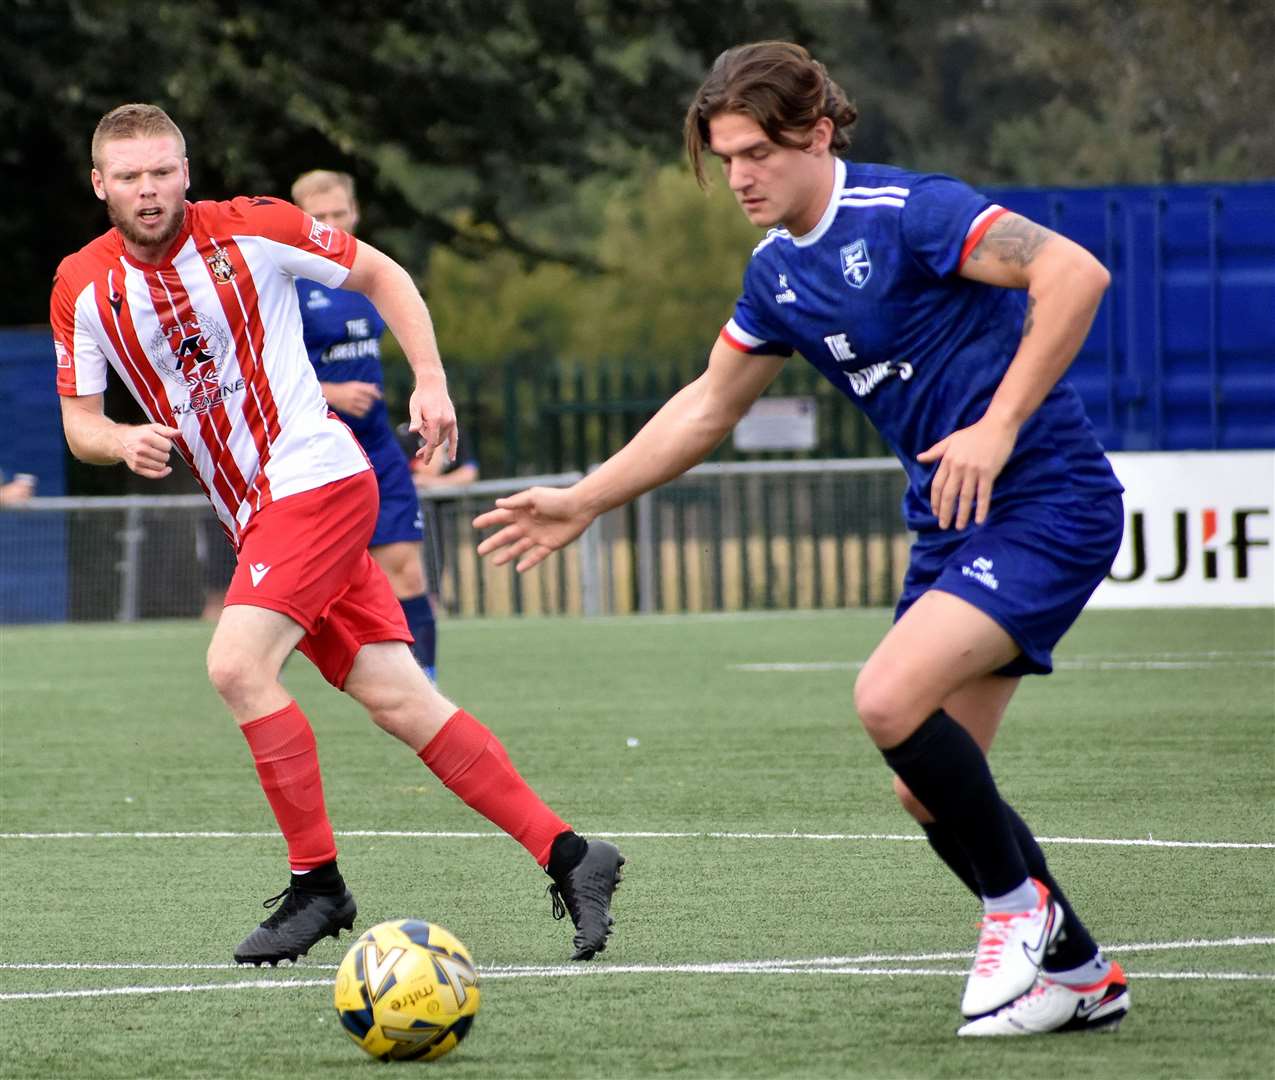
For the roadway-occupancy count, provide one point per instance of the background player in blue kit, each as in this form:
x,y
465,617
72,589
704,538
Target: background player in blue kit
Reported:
x,y
906,291
343,337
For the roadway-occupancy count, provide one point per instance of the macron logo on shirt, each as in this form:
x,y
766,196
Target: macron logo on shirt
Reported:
x,y
257,571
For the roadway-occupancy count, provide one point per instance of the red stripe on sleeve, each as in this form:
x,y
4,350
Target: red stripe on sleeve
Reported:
x,y
733,342
977,234
62,319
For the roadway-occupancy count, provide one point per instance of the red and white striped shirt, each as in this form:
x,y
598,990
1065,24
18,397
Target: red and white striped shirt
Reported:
x,y
210,341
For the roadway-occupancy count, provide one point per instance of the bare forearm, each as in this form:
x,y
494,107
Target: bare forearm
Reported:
x,y
396,298
682,434
1061,303
95,440
408,318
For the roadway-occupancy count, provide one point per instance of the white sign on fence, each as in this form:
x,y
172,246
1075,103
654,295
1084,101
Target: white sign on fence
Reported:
x,y
781,423
1198,531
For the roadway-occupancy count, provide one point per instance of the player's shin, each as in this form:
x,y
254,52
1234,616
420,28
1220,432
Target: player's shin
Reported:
x,y
287,761
1075,947
473,764
946,770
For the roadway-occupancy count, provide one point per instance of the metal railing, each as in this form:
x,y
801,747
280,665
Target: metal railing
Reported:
x,y
723,537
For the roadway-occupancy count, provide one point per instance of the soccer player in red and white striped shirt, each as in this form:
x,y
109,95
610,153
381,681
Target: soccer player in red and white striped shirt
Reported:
x,y
194,307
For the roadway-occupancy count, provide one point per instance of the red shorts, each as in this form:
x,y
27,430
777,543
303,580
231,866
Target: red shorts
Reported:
x,y
306,557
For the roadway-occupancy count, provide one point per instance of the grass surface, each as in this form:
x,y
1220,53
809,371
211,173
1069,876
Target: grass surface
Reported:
x,y
1157,727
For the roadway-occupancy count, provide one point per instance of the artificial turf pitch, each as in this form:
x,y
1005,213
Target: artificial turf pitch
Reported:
x,y
779,914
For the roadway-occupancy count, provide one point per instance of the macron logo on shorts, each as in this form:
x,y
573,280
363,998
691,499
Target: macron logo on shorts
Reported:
x,y
258,570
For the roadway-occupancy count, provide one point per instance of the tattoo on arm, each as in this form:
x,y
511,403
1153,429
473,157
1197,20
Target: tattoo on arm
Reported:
x,y
1027,319
1012,239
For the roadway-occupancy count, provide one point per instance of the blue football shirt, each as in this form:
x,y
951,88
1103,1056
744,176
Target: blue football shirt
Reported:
x,y
872,298
343,337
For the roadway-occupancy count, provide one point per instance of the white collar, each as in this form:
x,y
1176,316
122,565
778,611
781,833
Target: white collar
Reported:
x,y
830,211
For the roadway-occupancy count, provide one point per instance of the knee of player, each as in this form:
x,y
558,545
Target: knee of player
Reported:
x,y
408,580
232,674
392,704
882,707
389,714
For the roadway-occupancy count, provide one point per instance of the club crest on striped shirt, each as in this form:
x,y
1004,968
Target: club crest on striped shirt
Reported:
x,y
191,352
223,271
856,266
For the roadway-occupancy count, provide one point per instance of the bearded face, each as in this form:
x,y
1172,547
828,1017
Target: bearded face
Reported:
x,y
151,226
143,181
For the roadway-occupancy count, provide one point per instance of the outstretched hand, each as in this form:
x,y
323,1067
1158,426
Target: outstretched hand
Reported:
x,y
534,523
969,460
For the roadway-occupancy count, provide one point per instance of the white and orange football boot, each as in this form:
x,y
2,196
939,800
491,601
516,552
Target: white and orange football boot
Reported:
x,y
1011,948
1051,1006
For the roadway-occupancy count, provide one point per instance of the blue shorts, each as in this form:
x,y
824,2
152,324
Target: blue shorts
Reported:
x,y
400,517
1032,567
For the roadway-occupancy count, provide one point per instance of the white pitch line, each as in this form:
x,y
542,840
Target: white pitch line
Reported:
x,y
577,970
409,834
511,970
187,988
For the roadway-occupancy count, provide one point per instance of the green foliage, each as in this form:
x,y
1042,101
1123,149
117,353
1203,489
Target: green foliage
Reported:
x,y
519,155
664,246
457,117
1139,91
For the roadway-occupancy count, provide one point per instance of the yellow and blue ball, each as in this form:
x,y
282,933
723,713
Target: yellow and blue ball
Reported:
x,y
407,990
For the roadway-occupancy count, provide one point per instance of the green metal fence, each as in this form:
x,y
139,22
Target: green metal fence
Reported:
x,y
525,417
729,536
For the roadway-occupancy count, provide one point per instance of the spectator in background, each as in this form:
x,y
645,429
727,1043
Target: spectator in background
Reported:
x,y
343,337
440,470
17,491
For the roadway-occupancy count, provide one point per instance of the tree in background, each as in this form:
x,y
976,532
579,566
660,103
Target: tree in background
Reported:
x,y
521,157
457,117
669,263
1140,91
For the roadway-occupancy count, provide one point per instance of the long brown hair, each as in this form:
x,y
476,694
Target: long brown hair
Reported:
x,y
781,86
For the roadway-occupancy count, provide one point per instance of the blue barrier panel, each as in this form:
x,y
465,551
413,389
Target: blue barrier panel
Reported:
x,y
33,563
1182,354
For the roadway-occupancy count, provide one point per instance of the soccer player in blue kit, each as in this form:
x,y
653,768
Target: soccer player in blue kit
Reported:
x,y
950,322
343,337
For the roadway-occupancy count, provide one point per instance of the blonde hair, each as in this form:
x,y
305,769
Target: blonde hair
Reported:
x,y
317,181
134,121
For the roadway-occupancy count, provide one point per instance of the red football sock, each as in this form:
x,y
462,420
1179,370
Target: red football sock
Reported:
x,y
287,761
470,761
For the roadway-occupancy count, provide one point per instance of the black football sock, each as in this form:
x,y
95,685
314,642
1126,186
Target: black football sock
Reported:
x,y
324,880
1075,945
567,851
952,854
945,769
